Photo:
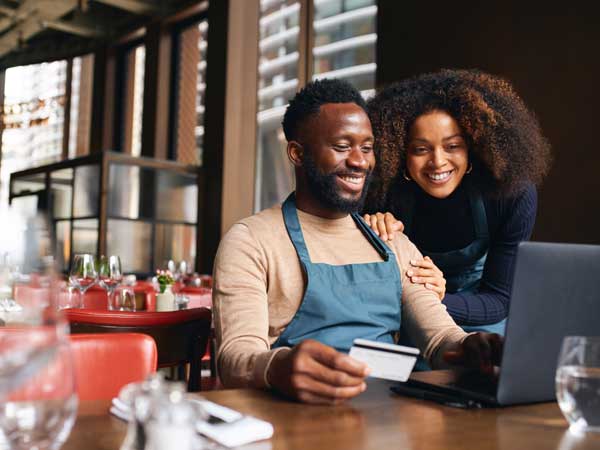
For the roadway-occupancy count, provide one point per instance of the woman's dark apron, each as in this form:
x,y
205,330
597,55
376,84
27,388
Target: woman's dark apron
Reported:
x,y
463,268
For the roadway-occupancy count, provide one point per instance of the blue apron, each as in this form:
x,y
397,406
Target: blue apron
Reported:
x,y
463,268
342,303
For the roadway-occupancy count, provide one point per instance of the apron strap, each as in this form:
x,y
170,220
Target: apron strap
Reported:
x,y
375,241
292,224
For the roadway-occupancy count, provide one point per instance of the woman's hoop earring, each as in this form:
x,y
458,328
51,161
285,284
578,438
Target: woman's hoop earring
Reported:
x,y
470,169
405,175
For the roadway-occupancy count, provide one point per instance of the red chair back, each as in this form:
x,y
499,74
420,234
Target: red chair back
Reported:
x,y
199,296
104,363
95,298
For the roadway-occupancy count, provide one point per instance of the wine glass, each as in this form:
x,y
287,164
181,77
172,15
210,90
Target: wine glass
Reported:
x,y
38,401
83,274
110,276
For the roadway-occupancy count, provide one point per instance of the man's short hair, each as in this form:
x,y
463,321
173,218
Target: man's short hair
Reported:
x,y
311,97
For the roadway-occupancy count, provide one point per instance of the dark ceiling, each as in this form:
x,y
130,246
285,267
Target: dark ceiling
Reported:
x,y
33,31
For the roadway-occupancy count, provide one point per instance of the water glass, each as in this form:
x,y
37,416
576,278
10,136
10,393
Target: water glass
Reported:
x,y
110,276
578,382
124,299
83,274
69,298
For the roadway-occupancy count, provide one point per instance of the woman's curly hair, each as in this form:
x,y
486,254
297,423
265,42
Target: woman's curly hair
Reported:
x,y
505,141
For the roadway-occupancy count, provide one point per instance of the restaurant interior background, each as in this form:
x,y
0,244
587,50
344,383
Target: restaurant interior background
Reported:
x,y
145,128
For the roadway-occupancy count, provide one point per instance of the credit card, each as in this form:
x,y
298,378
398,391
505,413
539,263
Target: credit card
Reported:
x,y
387,361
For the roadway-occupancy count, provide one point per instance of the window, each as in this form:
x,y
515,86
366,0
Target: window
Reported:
x,y
132,70
344,42
190,85
81,106
139,59
278,81
343,36
33,118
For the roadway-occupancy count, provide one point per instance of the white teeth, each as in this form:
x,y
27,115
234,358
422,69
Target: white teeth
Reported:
x,y
439,176
353,180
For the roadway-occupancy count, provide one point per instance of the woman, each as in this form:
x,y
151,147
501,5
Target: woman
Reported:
x,y
458,158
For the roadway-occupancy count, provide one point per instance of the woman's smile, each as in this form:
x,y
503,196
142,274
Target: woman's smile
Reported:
x,y
440,177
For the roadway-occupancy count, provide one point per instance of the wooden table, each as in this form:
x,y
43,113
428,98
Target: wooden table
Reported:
x,y
376,420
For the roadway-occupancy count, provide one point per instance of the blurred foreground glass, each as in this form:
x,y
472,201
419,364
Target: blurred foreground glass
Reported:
x,y
38,401
40,404
83,273
578,382
110,276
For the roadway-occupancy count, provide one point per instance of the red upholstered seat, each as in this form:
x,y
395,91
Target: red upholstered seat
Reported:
x,y
104,363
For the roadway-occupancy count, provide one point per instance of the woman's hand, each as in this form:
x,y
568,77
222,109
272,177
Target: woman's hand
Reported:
x,y
384,225
426,272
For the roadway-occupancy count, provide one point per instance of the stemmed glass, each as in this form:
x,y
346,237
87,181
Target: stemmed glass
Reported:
x,y
38,400
83,273
110,276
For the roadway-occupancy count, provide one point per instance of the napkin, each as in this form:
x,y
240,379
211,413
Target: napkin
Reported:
x,y
9,305
225,426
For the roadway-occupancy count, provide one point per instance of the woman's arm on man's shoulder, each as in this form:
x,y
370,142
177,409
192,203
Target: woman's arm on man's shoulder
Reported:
x,y
511,221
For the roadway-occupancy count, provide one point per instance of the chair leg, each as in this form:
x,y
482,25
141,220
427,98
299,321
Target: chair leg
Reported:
x,y
181,372
213,354
194,384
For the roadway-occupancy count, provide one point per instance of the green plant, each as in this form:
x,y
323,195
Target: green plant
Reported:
x,y
164,278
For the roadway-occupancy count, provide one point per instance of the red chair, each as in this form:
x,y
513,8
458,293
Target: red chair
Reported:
x,y
104,363
95,298
199,296
181,336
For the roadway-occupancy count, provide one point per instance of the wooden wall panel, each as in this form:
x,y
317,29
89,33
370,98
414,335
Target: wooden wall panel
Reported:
x,y
549,53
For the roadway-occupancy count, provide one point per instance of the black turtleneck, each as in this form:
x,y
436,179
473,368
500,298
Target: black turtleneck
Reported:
x,y
440,225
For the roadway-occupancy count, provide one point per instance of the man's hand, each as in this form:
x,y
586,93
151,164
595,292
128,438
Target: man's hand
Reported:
x,y
316,373
480,351
384,225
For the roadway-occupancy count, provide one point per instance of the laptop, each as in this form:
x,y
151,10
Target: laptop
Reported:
x,y
555,293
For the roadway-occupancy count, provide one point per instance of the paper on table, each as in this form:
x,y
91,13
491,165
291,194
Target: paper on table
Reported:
x,y
234,429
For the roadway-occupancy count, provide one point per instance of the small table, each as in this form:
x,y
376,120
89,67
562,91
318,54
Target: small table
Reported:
x,y
376,419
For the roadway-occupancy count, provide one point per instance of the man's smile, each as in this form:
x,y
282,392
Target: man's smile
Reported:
x,y
353,182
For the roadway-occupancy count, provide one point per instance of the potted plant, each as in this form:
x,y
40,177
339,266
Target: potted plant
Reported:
x,y
165,300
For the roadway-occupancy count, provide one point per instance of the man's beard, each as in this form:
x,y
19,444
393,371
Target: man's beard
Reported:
x,y
325,189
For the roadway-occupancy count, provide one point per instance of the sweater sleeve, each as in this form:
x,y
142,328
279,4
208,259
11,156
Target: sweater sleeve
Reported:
x,y
424,318
240,309
489,304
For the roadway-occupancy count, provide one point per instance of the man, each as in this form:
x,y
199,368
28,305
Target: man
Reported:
x,y
296,283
